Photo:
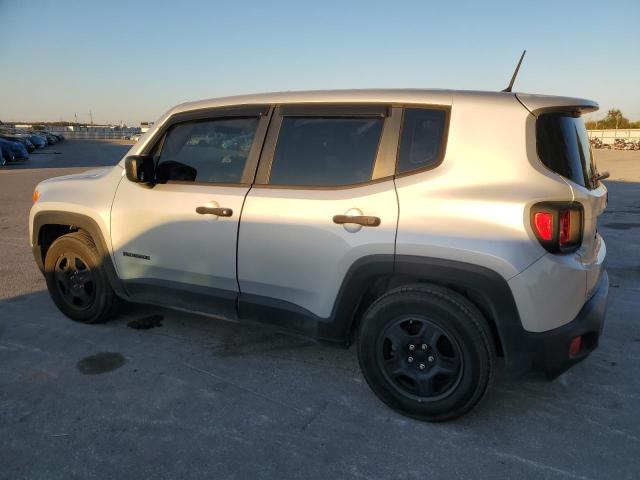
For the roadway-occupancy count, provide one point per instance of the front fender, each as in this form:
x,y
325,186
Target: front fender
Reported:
x,y
77,222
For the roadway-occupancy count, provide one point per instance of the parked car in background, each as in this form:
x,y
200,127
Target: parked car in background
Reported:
x,y
58,136
27,143
23,139
37,140
2,159
14,150
7,154
135,137
51,140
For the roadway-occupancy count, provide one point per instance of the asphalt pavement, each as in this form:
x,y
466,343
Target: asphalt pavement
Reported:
x,y
161,394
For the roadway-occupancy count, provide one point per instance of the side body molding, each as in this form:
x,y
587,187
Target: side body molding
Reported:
x,y
337,327
487,290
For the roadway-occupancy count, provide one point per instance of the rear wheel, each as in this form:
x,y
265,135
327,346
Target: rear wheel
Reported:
x,y
426,351
77,280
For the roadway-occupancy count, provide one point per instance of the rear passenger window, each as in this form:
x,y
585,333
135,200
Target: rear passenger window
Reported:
x,y
213,151
421,144
325,151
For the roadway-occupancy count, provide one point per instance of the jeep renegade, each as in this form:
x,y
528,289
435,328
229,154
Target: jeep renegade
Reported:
x,y
437,229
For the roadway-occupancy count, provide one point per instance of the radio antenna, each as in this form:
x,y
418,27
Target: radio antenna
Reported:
x,y
515,74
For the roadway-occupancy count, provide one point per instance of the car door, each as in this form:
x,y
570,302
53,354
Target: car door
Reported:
x,y
175,242
323,170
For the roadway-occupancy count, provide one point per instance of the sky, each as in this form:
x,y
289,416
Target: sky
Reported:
x,y
131,61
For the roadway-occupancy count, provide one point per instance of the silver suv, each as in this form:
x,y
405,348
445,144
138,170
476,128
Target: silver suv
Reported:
x,y
437,229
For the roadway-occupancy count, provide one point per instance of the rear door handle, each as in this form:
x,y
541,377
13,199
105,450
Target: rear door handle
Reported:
x,y
218,211
364,220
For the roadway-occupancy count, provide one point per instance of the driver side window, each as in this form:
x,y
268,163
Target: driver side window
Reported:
x,y
210,151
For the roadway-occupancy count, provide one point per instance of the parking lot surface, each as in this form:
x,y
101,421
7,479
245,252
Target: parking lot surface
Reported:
x,y
161,394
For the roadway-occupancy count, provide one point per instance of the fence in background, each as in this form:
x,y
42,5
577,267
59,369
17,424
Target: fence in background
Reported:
x,y
96,133
609,136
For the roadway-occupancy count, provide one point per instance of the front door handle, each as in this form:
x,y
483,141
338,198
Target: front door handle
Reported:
x,y
364,220
218,211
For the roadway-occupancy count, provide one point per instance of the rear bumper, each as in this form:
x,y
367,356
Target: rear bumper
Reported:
x,y
549,351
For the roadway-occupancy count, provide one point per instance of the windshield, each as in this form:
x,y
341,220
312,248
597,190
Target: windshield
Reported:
x,y
563,146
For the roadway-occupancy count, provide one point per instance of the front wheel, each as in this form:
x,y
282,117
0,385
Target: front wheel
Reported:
x,y
77,281
426,351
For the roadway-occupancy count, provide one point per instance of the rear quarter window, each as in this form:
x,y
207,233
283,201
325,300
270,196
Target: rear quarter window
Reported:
x,y
422,139
563,146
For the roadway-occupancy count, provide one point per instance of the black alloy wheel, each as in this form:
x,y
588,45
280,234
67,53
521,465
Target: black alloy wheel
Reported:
x,y
426,351
77,279
420,358
74,281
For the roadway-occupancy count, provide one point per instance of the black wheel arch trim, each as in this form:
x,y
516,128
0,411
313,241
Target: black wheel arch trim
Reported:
x,y
80,222
487,289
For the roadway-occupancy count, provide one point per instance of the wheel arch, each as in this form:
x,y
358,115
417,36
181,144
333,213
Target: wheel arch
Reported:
x,y
50,225
370,277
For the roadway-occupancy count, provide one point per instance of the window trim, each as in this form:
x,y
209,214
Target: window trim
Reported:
x,y
262,112
443,145
381,170
328,110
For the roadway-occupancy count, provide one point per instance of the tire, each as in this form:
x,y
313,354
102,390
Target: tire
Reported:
x,y
426,351
77,281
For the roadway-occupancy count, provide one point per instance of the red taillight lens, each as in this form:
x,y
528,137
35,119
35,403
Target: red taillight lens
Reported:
x,y
543,222
565,227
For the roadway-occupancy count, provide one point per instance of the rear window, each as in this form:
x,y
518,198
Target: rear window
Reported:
x,y
563,146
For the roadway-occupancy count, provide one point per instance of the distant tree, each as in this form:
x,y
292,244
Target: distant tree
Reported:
x,y
613,119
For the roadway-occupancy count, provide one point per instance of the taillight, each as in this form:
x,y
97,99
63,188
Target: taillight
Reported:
x,y
543,223
558,225
565,227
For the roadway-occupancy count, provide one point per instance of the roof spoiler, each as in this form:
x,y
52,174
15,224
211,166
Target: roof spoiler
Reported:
x,y
538,104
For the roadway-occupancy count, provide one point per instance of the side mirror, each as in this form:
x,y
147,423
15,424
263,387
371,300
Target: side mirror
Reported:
x,y
139,168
